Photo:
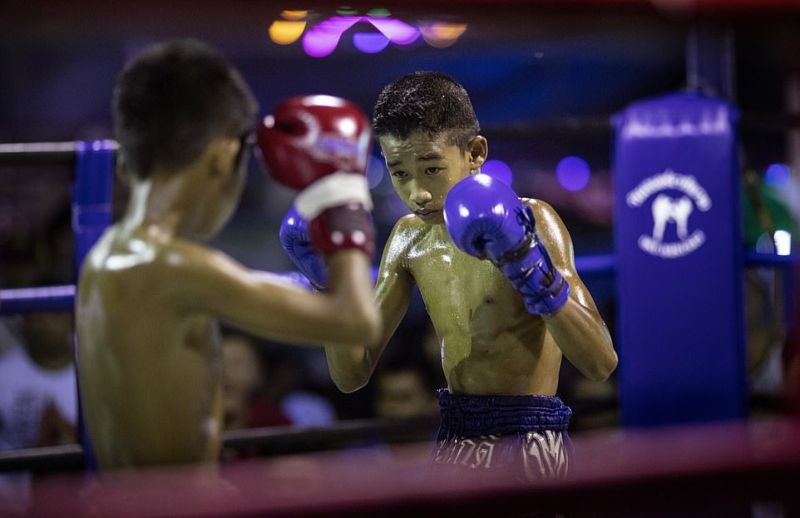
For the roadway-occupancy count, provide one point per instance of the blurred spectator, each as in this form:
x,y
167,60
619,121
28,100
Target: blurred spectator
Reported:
x,y
9,334
291,382
37,385
263,389
308,409
766,216
38,393
404,391
791,353
246,404
409,374
37,378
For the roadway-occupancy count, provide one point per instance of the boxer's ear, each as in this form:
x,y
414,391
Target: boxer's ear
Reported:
x,y
221,155
478,150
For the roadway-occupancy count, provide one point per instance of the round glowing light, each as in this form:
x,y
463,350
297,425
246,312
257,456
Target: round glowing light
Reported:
x,y
783,242
442,34
398,31
379,12
370,42
319,45
498,170
284,32
573,173
346,11
777,174
376,170
322,39
293,15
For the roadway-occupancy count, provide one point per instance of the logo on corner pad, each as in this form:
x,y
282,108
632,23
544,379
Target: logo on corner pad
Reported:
x,y
672,198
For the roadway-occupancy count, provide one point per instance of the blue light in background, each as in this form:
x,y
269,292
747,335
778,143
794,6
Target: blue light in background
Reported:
x,y
499,170
370,42
777,174
376,170
573,173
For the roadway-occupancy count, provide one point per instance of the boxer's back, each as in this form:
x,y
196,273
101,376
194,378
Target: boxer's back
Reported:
x,y
151,386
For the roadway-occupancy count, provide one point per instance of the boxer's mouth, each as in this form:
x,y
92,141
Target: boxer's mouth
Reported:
x,y
426,213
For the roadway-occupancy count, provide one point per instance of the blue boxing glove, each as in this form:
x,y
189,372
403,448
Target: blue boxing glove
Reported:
x,y
297,244
486,219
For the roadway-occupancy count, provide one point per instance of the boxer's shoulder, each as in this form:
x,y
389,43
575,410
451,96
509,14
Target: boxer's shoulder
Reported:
x,y
537,205
409,222
181,256
408,231
153,261
404,239
545,215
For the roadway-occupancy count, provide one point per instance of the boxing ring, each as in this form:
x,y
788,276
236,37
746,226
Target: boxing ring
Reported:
x,y
364,468
623,473
714,470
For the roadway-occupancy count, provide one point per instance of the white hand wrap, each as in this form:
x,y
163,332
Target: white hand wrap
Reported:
x,y
332,191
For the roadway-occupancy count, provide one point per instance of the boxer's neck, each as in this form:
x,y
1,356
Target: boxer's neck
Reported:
x,y
165,204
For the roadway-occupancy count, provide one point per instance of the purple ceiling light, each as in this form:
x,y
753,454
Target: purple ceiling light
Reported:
x,y
398,32
370,42
322,39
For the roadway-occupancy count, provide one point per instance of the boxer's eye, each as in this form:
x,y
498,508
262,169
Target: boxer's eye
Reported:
x,y
433,170
400,174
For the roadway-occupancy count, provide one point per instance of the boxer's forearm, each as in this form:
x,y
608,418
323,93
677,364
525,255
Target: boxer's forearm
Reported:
x,y
350,367
351,299
584,339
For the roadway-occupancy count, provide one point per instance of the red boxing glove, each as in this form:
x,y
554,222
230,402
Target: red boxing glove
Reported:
x,y
319,145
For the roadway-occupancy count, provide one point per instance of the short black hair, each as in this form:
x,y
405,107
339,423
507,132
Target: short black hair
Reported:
x,y
172,100
426,101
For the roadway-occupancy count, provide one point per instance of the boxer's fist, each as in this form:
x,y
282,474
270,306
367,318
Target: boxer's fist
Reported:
x,y
486,219
297,245
319,145
308,138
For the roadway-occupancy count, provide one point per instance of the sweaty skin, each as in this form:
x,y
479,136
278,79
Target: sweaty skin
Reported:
x,y
489,343
148,302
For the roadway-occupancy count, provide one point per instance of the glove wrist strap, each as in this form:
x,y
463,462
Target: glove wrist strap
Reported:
x,y
336,189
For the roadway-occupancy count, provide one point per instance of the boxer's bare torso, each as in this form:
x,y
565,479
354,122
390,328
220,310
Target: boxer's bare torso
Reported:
x,y
489,343
148,350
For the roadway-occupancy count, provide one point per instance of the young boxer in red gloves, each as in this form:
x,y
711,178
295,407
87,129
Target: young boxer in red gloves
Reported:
x,y
150,293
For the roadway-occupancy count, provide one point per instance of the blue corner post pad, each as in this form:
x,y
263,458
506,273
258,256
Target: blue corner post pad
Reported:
x,y
92,193
678,245
91,215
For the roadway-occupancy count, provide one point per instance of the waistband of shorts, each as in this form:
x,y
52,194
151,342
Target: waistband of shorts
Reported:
x,y
473,416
